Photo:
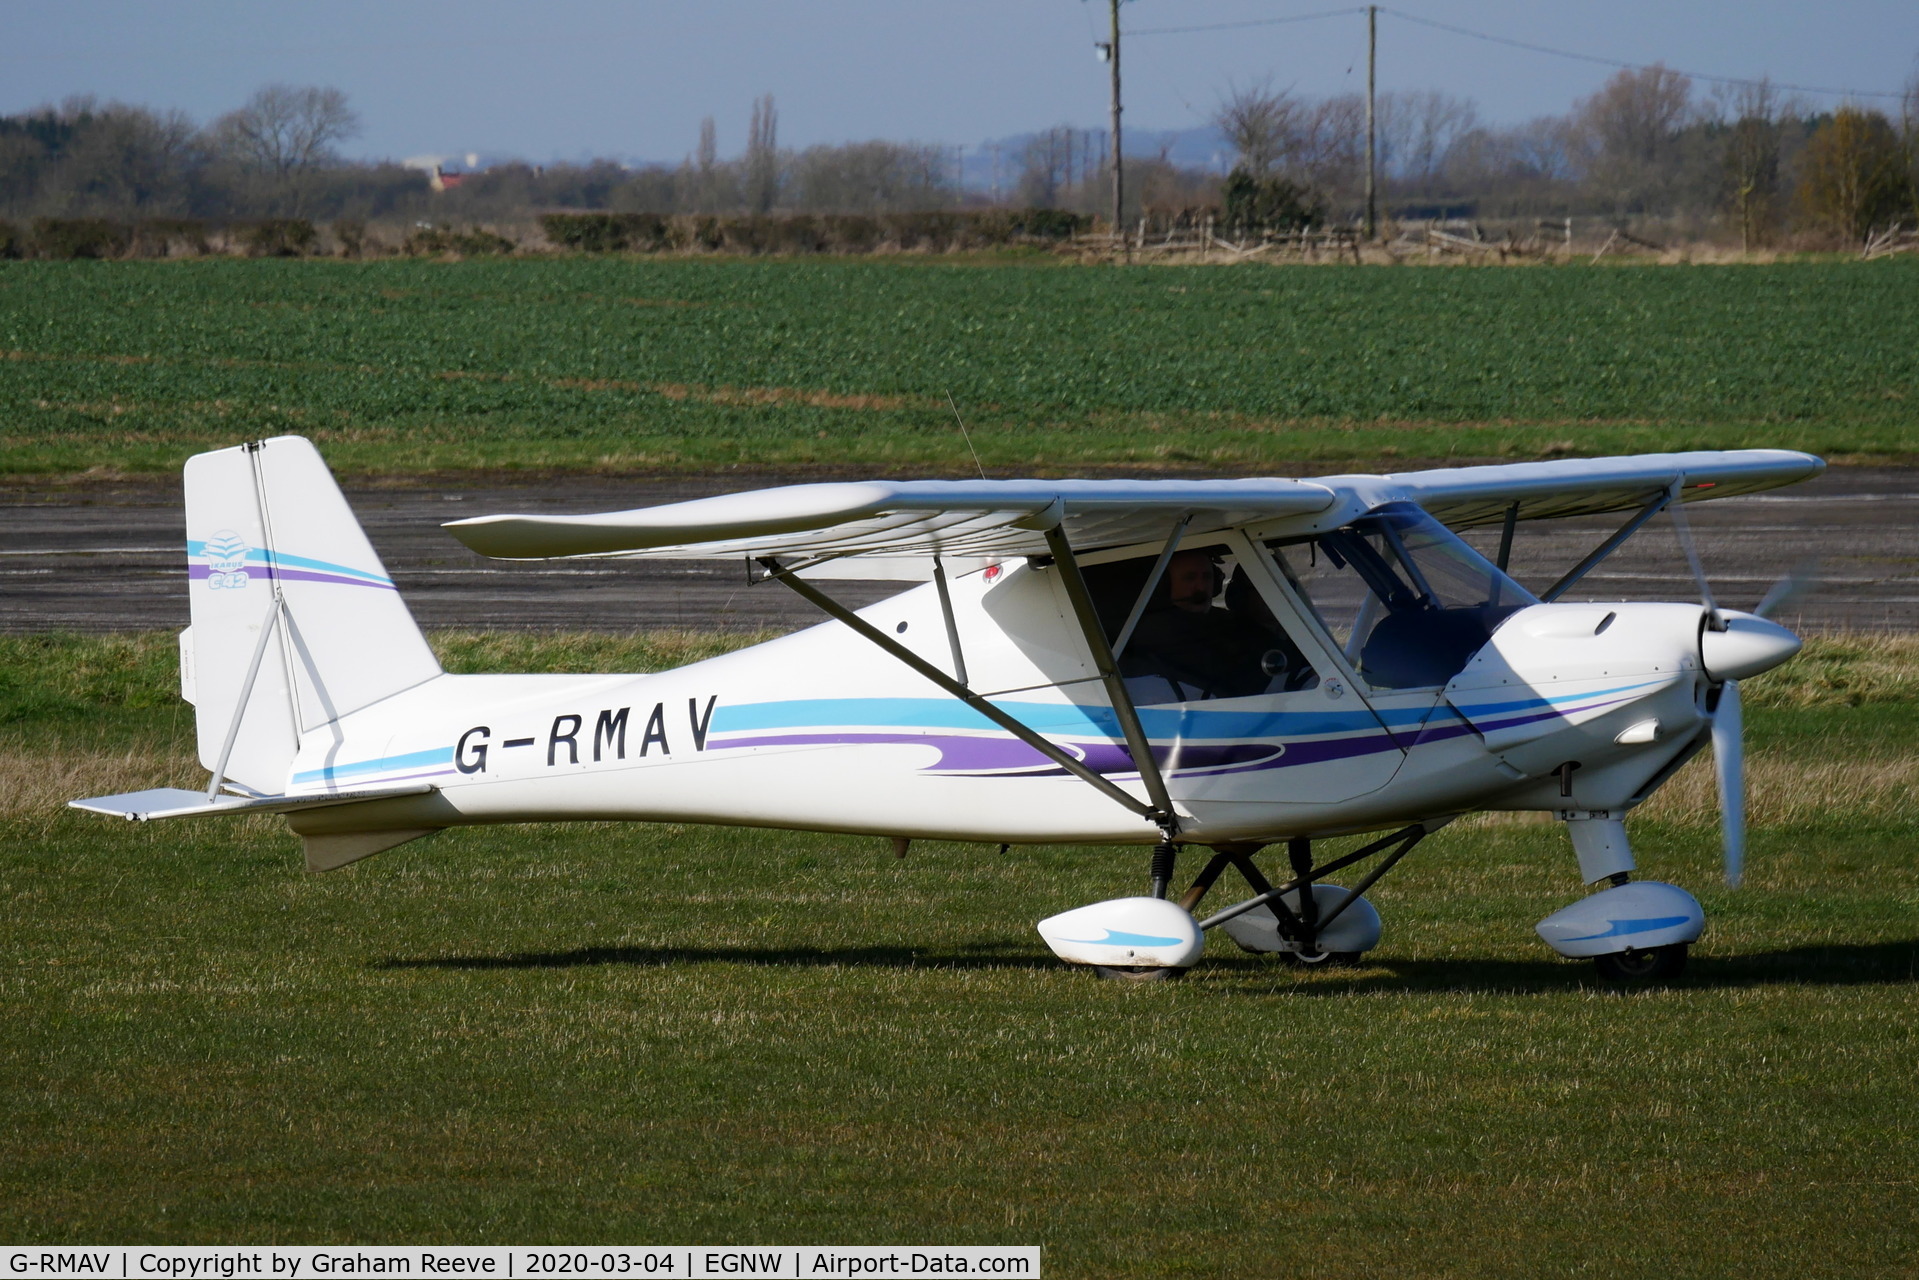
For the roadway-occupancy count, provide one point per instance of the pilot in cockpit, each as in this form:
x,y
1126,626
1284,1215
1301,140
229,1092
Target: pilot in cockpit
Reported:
x,y
1187,647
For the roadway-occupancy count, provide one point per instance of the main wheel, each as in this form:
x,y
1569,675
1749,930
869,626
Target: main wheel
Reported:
x,y
1323,959
1642,968
1120,973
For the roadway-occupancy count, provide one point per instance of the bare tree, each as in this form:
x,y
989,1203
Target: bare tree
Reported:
x,y
1547,148
284,130
871,177
1852,174
1632,126
763,157
1046,167
84,158
1260,122
283,134
128,161
1909,138
709,152
1417,128
1752,157
705,192
1327,145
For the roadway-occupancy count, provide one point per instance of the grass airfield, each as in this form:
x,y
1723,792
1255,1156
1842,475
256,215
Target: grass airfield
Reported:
x,y
682,1034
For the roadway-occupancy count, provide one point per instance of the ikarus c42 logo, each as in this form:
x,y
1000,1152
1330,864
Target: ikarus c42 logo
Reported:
x,y
226,553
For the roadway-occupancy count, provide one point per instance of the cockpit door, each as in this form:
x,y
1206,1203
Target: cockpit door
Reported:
x,y
1311,738
1407,603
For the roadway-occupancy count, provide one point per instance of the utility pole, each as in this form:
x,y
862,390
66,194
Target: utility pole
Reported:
x,y
1372,49
1113,56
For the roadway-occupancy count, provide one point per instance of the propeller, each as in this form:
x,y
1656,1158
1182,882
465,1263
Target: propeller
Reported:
x,y
1730,648
1729,765
1800,579
1683,527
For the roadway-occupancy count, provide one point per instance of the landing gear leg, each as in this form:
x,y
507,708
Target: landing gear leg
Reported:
x,y
1165,857
1305,914
1300,854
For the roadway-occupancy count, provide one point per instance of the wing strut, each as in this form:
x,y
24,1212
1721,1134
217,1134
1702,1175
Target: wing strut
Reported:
x,y
1609,546
1138,610
1137,744
952,624
246,694
840,613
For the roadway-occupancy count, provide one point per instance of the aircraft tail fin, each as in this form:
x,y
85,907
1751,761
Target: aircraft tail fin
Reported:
x,y
295,621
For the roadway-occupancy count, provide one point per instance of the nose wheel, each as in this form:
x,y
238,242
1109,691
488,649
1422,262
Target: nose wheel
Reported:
x,y
1637,968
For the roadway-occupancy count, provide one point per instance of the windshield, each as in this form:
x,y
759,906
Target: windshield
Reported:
x,y
1405,598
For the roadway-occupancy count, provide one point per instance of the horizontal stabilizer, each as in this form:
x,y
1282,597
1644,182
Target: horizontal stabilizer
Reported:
x,y
177,802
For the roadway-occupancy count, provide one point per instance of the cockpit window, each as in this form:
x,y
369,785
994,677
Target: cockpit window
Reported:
x,y
1202,632
1406,599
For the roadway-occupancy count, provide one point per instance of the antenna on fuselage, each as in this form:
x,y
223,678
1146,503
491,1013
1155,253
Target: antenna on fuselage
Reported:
x,y
965,435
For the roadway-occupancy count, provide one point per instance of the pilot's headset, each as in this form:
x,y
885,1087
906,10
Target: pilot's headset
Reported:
x,y
1163,589
1219,574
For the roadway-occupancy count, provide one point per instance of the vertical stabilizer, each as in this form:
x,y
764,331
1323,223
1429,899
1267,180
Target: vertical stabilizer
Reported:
x,y
273,548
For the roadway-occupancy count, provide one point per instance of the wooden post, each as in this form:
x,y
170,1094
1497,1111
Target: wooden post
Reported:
x,y
1118,163
1372,49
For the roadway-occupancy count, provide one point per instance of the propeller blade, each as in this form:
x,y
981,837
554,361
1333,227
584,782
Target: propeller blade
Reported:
x,y
1683,528
1729,763
1802,578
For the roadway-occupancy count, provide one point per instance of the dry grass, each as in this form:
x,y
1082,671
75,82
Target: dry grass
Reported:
x,y
1798,788
36,785
1842,670
781,396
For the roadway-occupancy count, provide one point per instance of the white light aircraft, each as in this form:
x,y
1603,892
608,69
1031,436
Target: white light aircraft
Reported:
x,y
1228,664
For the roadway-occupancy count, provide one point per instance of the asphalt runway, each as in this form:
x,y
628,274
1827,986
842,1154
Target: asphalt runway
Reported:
x,y
108,556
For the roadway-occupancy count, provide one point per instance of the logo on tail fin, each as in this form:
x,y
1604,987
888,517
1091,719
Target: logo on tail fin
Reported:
x,y
226,553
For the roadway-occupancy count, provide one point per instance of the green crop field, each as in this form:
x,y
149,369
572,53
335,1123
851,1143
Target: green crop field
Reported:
x,y
634,365
675,1034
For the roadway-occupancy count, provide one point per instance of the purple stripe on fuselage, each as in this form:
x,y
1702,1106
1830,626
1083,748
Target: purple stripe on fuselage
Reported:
x,y
1551,713
974,757
958,753
356,783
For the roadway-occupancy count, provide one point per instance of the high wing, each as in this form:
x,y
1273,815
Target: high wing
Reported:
x,y
1010,517
896,518
1463,497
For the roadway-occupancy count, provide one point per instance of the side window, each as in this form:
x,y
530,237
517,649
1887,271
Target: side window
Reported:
x,y
1204,631
1406,600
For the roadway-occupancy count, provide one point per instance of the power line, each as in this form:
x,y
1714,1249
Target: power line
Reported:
x,y
1631,66
1515,44
1254,22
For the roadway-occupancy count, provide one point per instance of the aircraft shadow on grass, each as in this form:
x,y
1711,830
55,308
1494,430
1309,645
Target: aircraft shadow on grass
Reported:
x,y
1865,964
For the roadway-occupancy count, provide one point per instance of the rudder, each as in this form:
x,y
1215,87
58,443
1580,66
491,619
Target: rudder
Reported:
x,y
272,547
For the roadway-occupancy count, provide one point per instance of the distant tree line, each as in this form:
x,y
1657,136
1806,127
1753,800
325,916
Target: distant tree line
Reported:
x,y
1748,163
277,157
1750,160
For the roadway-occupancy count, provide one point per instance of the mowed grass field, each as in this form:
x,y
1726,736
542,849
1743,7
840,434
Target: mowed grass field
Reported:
x,y
678,1034
636,365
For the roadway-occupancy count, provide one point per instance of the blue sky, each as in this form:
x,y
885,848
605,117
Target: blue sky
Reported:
x,y
566,79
